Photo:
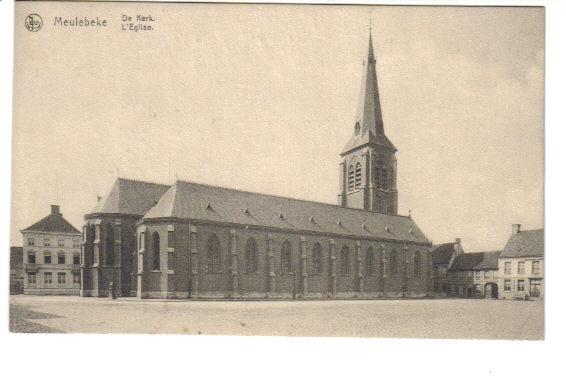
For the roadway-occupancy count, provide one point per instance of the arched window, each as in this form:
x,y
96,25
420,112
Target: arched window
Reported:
x,y
317,259
384,178
156,251
357,128
286,257
358,176
213,262
345,261
417,265
393,263
89,247
351,174
109,244
251,256
370,262
377,174
382,205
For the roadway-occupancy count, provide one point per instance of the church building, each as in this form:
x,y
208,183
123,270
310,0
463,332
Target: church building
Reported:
x,y
198,241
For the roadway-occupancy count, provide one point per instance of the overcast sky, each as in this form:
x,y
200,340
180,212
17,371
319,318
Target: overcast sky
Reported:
x,y
263,98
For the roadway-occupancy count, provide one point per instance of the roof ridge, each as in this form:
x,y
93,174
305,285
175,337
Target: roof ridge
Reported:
x,y
142,181
289,198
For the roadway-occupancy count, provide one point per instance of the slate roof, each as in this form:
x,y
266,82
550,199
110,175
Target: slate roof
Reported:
x,y
525,243
186,200
476,261
442,253
130,197
54,222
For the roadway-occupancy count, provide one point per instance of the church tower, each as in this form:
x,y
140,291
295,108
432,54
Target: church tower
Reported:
x,y
368,170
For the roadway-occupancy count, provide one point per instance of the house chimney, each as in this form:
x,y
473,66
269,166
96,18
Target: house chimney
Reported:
x,y
516,228
55,209
458,246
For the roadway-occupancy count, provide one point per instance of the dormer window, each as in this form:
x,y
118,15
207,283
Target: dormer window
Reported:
x,y
357,128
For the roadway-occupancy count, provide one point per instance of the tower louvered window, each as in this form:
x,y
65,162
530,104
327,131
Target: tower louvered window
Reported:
x,y
358,176
377,174
351,178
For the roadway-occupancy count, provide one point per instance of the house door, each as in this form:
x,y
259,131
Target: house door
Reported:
x,y
491,290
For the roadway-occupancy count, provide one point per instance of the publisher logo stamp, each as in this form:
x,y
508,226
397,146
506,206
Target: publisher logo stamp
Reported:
x,y
34,22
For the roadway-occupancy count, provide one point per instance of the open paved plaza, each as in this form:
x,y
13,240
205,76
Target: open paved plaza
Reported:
x,y
427,318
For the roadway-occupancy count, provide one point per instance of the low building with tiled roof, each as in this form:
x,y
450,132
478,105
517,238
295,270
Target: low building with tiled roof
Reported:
x,y
51,256
521,264
474,274
201,241
443,256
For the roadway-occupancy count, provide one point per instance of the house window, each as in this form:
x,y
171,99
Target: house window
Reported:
x,y
31,241
521,285
417,266
535,287
47,278
393,262
61,243
213,264
358,176
536,267
60,258
521,267
46,242
47,257
76,258
477,274
507,269
370,262
286,257
31,257
61,278
351,174
251,256
76,244
317,259
485,274
507,285
345,261
76,279
156,251
32,278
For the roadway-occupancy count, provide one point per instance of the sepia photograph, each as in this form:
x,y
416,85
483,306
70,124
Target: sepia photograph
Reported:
x,y
294,170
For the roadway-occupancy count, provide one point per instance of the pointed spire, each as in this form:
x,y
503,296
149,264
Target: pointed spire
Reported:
x,y
369,107
368,126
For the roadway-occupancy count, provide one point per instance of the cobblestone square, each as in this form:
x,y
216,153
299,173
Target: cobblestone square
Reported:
x,y
430,318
